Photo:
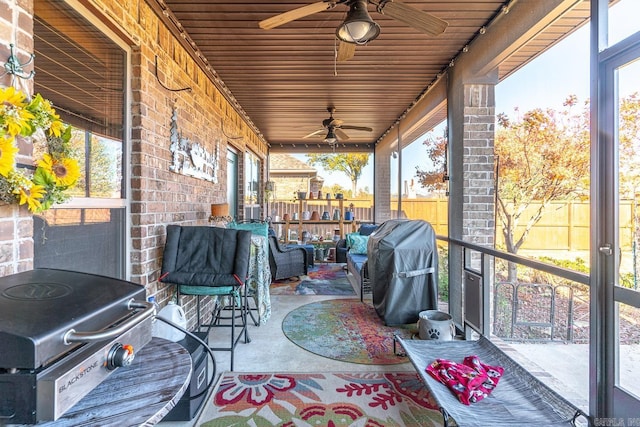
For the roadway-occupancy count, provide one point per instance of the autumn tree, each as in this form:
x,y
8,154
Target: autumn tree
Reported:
x,y
629,145
433,177
541,156
629,172
351,164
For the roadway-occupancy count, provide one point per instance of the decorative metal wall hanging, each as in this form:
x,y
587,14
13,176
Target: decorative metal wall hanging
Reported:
x,y
190,158
15,68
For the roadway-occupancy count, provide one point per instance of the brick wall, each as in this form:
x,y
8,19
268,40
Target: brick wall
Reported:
x,y
478,219
288,187
158,196
16,224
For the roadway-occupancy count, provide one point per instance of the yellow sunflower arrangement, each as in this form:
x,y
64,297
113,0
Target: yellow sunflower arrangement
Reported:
x,y
55,172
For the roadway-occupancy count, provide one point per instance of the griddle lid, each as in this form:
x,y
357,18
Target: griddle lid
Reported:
x,y
38,307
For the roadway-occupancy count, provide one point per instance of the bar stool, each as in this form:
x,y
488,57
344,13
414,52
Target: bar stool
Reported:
x,y
211,261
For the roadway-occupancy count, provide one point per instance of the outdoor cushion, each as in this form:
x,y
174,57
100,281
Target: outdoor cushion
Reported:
x,y
205,256
257,228
357,260
367,229
357,243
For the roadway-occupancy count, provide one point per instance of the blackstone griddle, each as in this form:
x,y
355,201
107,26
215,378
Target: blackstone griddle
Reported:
x,y
61,334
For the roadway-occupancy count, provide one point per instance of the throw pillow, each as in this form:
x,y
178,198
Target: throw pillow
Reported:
x,y
358,244
349,238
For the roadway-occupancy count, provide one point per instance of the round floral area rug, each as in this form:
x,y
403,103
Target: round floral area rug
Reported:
x,y
345,329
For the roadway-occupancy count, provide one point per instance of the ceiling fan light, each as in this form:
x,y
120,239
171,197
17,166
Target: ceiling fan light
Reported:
x,y
330,138
358,27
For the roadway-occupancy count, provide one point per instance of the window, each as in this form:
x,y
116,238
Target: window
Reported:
x,y
252,190
82,71
424,178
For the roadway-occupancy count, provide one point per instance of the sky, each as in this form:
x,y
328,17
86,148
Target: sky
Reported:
x,y
531,87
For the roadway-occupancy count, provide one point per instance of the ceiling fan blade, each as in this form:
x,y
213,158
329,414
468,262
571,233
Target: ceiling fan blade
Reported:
x,y
346,51
341,135
423,21
318,132
362,128
292,15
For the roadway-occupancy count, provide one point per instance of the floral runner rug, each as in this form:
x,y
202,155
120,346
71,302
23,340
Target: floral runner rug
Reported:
x,y
345,329
372,399
322,279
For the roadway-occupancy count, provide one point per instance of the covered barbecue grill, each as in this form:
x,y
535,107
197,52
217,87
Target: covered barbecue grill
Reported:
x,y
403,269
61,334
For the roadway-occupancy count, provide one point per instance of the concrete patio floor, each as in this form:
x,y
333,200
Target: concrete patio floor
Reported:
x,y
564,367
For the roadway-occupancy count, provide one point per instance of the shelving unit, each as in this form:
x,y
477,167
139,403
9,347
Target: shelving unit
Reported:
x,y
321,206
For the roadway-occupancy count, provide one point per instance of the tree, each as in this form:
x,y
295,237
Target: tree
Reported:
x,y
337,188
351,164
629,173
541,157
434,177
629,145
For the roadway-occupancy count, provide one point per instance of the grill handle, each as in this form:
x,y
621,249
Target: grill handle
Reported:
x,y
71,336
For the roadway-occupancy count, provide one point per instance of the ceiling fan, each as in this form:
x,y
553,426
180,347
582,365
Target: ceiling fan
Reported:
x,y
334,128
358,27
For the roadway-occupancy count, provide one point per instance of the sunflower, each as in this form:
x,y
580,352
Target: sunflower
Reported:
x,y
56,128
65,170
56,171
31,196
12,96
44,116
7,155
15,116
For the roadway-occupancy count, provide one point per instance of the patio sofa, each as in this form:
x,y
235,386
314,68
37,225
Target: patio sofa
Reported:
x,y
352,250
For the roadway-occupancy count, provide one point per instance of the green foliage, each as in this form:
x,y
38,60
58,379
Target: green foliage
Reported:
x,y
443,273
55,194
629,137
334,189
351,164
104,174
577,264
105,158
627,280
531,275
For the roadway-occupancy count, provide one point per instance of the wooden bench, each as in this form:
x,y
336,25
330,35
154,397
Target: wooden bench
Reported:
x,y
519,399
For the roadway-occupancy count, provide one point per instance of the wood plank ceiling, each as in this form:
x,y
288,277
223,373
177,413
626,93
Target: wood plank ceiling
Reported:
x,y
286,78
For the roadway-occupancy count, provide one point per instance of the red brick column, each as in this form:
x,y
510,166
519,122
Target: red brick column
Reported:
x,y
478,219
16,223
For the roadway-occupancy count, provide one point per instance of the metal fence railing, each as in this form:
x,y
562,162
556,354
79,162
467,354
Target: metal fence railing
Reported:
x,y
543,303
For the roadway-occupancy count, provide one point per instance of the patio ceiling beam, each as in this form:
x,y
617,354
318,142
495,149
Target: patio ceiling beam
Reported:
x,y
513,29
525,20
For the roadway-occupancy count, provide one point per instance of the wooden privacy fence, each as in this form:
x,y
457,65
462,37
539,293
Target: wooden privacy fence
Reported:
x,y
362,210
563,226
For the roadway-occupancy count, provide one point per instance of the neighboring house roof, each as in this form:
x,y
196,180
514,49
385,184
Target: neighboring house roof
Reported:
x,y
282,164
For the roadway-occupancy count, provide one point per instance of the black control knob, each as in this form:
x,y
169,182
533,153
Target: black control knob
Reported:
x,y
119,356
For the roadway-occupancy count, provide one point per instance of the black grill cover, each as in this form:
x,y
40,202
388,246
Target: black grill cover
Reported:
x,y
38,307
403,268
